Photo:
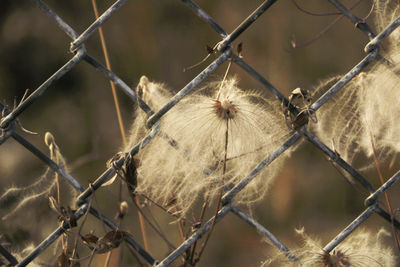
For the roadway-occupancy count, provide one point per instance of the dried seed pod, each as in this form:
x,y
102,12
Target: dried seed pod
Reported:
x,y
109,241
48,139
123,209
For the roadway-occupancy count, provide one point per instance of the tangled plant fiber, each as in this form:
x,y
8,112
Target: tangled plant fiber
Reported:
x,y
185,162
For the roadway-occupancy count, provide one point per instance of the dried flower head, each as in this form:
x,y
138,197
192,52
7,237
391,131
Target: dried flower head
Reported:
x,y
186,160
362,248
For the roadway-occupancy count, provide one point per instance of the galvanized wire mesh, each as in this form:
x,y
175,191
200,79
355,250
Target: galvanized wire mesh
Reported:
x,y
224,49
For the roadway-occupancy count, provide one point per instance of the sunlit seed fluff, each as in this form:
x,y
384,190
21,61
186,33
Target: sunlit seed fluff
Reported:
x,y
367,108
20,255
362,248
185,160
155,95
42,187
339,125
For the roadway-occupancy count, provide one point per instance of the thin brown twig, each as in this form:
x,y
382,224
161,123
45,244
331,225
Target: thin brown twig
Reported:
x,y
224,78
210,51
108,65
388,205
104,228
325,30
169,244
220,194
318,36
135,254
203,211
120,122
314,14
109,254
205,204
370,11
79,233
180,225
54,156
63,235
164,209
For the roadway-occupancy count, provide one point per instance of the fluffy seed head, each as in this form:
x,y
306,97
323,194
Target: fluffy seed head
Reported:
x,y
361,248
367,107
155,95
185,160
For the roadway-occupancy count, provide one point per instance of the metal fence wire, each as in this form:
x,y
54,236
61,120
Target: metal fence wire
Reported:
x,y
224,50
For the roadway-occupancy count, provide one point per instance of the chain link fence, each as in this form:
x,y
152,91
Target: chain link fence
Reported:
x,y
224,49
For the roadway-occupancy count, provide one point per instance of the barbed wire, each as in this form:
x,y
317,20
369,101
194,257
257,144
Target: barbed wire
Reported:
x,y
224,51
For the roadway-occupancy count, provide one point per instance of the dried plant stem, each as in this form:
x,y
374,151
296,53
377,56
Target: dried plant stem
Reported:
x,y
108,258
63,236
180,226
205,204
225,75
142,225
158,231
388,205
135,254
312,13
326,29
203,211
91,258
72,259
163,209
108,65
120,122
182,235
220,193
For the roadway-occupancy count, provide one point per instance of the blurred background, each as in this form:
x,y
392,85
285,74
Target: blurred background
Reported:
x,y
159,39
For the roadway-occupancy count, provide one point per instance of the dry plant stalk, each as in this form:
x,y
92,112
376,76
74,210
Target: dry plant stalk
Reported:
x,y
362,248
121,126
186,159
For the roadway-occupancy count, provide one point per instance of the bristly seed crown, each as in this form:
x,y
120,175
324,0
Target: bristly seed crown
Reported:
x,y
225,109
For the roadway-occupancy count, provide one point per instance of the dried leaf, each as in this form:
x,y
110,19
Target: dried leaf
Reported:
x,y
131,173
110,241
300,120
111,181
240,49
89,238
63,260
